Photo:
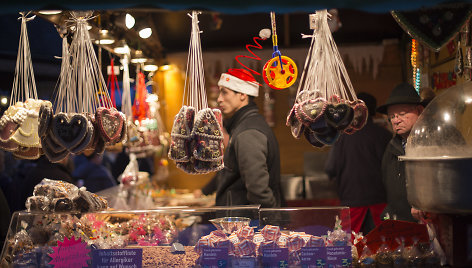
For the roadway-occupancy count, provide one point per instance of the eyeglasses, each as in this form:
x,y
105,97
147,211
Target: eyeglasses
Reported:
x,y
398,115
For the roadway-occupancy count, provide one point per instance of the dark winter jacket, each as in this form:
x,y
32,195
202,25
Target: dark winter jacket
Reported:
x,y
355,163
393,173
252,162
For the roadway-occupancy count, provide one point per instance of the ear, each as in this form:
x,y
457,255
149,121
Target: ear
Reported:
x,y
420,109
243,97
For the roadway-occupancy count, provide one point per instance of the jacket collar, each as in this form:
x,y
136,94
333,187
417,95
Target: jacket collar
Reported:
x,y
231,123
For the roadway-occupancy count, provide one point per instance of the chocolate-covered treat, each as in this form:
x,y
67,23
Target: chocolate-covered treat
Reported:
x,y
83,202
37,203
55,189
61,204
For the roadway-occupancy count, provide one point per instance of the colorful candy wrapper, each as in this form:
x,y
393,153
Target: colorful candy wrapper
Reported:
x,y
271,232
233,238
295,242
282,241
315,241
258,238
294,258
246,232
245,248
202,243
219,233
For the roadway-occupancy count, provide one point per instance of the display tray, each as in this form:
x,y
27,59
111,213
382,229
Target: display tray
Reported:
x,y
244,236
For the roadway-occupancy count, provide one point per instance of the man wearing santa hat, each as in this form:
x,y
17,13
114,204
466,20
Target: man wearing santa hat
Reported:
x,y
252,162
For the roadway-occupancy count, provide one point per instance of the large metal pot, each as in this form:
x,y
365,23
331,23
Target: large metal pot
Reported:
x,y
441,185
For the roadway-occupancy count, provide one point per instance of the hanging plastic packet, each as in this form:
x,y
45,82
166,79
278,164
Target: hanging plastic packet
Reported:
x,y
383,256
129,177
412,255
366,259
398,256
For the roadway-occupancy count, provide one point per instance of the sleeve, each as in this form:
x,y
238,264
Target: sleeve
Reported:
x,y
251,154
210,187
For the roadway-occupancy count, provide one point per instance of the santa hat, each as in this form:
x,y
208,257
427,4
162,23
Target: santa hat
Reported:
x,y
239,80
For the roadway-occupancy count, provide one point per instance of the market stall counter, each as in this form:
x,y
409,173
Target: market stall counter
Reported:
x,y
244,236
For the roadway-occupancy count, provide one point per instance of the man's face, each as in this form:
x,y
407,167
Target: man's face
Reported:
x,y
403,117
230,101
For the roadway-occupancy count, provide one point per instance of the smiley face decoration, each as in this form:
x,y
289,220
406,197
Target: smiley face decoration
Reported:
x,y
326,105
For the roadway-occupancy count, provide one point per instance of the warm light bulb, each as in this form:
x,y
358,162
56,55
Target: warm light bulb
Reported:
x,y
4,100
145,33
129,21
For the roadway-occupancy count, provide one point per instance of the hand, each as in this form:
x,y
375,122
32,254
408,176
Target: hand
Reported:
x,y
197,193
418,214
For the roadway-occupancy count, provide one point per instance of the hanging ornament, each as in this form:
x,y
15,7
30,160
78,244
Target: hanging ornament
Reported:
x,y
325,105
281,71
84,119
197,135
19,124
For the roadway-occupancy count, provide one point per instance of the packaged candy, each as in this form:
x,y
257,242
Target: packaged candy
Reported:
x,y
383,257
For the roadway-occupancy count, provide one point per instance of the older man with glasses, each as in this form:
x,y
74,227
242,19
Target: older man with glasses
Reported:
x,y
403,107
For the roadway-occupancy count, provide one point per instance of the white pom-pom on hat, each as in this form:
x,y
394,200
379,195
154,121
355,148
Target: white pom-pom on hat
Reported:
x,y
265,33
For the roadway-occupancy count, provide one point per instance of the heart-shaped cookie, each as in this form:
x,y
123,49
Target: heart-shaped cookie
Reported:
x,y
310,110
338,115
48,142
69,130
319,126
45,118
86,141
329,137
310,136
361,113
296,127
29,153
109,122
9,145
8,128
53,153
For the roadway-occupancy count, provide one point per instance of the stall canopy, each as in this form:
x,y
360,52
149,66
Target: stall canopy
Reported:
x,y
224,6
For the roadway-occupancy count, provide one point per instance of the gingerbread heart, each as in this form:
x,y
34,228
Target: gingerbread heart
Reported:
x,y
9,145
52,146
29,153
310,136
53,156
69,129
319,126
208,136
45,118
86,141
329,137
361,114
109,122
310,110
181,135
296,127
8,128
338,115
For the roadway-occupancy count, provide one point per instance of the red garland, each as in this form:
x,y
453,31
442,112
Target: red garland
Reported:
x,y
258,46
